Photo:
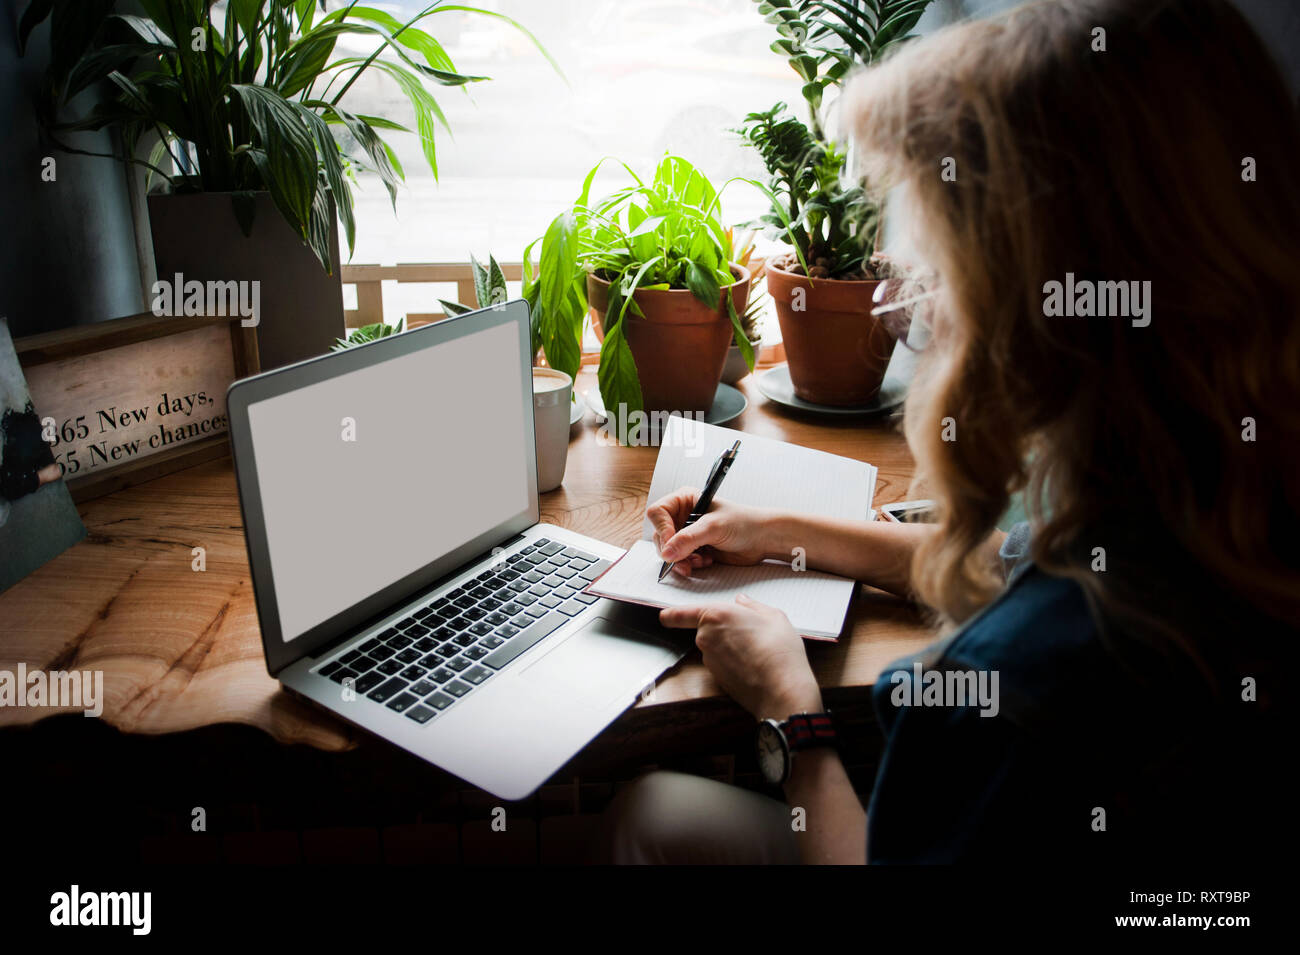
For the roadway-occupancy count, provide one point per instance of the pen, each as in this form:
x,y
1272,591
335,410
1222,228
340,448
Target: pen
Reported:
x,y
705,501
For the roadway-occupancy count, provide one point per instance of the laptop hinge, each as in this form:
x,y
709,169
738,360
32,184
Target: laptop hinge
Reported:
x,y
327,648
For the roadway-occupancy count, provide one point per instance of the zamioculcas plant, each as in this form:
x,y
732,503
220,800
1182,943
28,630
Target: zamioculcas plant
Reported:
x,y
251,94
833,221
837,353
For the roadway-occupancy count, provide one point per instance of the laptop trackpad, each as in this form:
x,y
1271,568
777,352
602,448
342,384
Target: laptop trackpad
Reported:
x,y
603,661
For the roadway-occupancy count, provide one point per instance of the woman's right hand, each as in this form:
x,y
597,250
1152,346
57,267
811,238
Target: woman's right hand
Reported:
x,y
729,533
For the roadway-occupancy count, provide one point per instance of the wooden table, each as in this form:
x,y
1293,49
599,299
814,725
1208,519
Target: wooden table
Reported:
x,y
180,648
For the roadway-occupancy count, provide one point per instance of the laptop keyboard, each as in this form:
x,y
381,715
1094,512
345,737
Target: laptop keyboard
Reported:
x,y
439,653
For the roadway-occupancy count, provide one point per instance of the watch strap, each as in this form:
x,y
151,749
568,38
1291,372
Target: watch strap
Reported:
x,y
807,730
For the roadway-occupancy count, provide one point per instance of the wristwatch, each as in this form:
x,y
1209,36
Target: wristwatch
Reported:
x,y
779,741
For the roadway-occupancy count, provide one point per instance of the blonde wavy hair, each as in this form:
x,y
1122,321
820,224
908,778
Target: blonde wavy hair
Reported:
x,y
1125,164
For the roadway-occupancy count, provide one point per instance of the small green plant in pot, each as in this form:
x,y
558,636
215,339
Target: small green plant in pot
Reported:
x,y
750,320
653,263
822,289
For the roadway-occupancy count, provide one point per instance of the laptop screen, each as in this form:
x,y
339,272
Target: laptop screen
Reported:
x,y
368,476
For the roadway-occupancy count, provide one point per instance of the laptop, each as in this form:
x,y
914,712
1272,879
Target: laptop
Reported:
x,y
402,577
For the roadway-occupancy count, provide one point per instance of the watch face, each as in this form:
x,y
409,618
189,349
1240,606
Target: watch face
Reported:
x,y
773,754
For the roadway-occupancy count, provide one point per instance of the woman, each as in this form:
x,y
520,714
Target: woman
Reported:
x,y
1138,624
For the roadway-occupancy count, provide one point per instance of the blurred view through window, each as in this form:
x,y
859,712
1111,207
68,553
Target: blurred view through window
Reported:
x,y
643,76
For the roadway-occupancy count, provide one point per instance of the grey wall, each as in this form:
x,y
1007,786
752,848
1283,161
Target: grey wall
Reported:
x,y
69,248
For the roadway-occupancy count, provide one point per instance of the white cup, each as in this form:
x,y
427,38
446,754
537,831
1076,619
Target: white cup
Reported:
x,y
552,398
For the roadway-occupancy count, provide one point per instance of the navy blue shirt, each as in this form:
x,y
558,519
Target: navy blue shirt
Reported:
x,y
1080,759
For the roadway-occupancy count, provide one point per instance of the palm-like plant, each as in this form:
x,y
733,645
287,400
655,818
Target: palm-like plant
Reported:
x,y
248,95
833,223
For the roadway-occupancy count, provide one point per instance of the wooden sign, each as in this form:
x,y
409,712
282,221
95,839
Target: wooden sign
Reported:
x,y
128,400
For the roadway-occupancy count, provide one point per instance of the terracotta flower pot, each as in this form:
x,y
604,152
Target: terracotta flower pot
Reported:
x,y
735,368
680,345
836,350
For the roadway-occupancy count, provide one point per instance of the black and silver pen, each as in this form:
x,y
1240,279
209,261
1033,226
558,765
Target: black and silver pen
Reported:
x,y
705,501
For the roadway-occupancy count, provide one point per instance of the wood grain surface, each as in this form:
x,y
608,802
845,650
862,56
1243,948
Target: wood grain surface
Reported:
x,y
181,649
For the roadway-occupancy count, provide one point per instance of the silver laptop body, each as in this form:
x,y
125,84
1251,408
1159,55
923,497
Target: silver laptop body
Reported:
x,y
402,578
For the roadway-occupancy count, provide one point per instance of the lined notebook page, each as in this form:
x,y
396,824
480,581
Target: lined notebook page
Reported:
x,y
815,603
766,473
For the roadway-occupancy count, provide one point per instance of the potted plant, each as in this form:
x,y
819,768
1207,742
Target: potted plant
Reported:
x,y
654,265
242,110
489,289
736,368
369,333
822,290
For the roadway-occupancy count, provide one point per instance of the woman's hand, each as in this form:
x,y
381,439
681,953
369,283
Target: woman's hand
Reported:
x,y
758,658
729,533
754,653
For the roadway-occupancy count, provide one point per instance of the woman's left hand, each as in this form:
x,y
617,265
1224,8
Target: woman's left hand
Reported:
x,y
754,653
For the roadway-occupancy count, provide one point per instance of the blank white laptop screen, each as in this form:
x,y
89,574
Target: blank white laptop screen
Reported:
x,y
369,476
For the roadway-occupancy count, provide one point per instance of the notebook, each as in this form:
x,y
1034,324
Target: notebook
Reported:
x,y
766,473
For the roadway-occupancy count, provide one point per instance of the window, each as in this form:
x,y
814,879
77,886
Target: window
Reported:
x,y
644,76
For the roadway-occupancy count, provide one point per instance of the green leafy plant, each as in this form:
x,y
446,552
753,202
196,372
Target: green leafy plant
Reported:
x,y
663,234
250,95
489,287
369,333
832,223
754,308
